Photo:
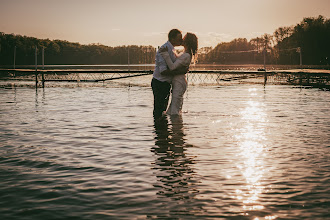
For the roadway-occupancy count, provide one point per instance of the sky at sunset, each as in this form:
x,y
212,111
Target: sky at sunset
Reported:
x,y
147,22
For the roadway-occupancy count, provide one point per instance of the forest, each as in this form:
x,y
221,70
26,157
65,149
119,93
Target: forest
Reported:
x,y
310,37
64,53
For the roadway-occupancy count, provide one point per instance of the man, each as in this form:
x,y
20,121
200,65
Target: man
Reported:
x,y
161,83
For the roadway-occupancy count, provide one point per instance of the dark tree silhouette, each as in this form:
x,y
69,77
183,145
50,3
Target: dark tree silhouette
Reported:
x,y
311,36
64,52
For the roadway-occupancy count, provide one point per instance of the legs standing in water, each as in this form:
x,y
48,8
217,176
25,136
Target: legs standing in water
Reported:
x,y
161,91
178,90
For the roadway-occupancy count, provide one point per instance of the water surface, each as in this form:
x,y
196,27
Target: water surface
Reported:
x,y
237,152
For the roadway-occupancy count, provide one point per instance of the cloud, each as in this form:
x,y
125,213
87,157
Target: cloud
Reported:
x,y
219,36
254,34
115,29
212,38
151,34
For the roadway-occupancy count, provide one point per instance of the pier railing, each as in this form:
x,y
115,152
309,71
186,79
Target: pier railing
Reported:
x,y
319,78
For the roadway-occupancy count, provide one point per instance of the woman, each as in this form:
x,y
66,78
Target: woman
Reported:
x,y
179,82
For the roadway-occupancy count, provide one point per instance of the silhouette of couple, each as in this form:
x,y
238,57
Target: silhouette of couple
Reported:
x,y
170,72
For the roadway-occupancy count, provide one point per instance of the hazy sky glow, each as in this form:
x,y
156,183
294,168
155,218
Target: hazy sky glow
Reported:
x,y
147,22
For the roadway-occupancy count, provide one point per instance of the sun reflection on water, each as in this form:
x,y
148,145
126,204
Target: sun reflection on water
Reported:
x,y
251,139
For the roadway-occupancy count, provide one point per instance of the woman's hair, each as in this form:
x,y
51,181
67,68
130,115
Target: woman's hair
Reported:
x,y
191,41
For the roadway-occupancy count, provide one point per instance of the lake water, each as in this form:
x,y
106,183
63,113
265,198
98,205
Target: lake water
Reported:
x,y
94,152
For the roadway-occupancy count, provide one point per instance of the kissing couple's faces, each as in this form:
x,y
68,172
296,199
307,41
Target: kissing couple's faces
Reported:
x,y
177,40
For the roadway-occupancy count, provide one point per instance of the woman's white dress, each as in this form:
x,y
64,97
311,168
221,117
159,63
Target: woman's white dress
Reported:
x,y
179,82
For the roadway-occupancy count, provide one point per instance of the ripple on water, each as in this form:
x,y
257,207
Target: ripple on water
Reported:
x,y
243,152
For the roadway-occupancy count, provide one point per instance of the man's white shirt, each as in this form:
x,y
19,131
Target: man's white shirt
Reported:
x,y
161,63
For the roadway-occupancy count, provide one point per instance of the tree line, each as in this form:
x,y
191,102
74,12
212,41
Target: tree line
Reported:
x,y
64,52
310,37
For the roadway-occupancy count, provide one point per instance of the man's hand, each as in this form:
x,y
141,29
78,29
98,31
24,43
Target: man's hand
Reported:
x,y
178,71
166,72
162,49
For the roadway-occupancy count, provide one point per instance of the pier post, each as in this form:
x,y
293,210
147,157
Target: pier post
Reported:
x,y
43,67
14,57
265,58
300,56
36,67
36,75
43,79
265,77
307,78
128,58
36,58
43,57
129,74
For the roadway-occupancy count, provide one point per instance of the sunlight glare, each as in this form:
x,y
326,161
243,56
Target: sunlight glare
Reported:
x,y
251,139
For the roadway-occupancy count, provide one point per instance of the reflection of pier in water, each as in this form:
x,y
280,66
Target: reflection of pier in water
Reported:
x,y
305,77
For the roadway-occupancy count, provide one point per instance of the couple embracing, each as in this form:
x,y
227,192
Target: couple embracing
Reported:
x,y
170,71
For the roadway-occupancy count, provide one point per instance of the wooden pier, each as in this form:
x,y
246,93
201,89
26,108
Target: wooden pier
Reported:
x,y
305,77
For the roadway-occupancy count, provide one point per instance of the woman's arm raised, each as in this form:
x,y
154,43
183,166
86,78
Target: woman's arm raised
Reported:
x,y
183,60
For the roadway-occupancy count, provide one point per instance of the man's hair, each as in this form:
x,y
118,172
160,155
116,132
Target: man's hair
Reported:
x,y
173,33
